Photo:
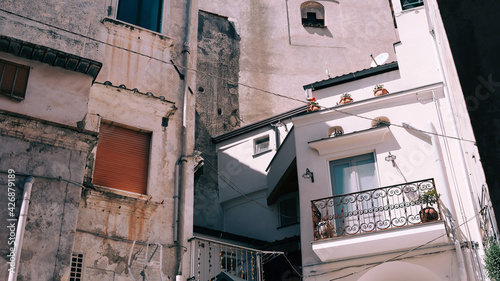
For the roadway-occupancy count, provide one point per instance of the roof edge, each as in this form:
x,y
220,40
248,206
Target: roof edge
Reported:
x,y
353,76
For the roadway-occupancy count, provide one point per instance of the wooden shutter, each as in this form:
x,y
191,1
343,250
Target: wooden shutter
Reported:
x,y
122,159
13,79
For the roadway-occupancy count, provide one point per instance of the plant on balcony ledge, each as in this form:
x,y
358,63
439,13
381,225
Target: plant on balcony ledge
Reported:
x,y
379,90
428,213
312,105
345,98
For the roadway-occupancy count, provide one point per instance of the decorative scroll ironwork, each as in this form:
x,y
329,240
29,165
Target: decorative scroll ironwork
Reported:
x,y
371,210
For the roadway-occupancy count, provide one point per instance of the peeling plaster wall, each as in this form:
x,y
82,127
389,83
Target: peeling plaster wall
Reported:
x,y
110,220
49,153
279,55
137,86
217,108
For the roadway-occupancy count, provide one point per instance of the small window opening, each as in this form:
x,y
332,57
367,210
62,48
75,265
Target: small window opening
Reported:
x,y
262,145
409,4
13,79
145,14
380,122
288,209
313,14
335,131
76,271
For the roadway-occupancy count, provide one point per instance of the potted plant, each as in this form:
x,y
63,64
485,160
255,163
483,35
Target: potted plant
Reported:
x,y
379,90
428,213
345,98
312,105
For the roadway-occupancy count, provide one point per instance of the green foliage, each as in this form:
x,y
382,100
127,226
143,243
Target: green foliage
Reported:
x,y
492,260
429,198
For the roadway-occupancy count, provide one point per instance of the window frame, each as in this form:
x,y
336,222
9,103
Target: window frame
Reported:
x,y
257,141
23,87
161,16
354,169
146,134
413,4
312,7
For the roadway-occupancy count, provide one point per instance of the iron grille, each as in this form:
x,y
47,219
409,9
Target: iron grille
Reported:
x,y
371,210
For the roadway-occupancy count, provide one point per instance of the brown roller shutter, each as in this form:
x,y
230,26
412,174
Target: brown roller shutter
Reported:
x,y
122,159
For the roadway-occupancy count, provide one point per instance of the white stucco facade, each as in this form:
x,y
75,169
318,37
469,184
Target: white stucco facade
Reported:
x,y
427,133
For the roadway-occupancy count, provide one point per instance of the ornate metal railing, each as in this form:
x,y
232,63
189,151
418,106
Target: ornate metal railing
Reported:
x,y
372,210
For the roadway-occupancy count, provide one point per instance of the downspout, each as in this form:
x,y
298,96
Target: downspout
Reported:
x,y
451,215
436,146
23,214
461,153
182,164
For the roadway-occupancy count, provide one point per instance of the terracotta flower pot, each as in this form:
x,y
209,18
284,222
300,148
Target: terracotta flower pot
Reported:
x,y
345,100
380,92
312,107
428,214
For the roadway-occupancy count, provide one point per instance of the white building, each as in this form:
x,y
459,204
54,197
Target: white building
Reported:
x,y
360,169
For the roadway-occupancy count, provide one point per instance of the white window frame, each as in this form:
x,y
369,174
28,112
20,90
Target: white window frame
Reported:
x,y
256,142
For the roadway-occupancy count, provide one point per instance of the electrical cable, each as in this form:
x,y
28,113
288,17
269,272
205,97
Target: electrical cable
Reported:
x,y
235,188
400,255
219,77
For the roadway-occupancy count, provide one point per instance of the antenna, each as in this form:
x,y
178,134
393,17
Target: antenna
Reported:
x,y
379,59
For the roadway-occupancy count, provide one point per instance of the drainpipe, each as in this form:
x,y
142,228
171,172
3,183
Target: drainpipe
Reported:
x,y
461,153
18,243
451,215
436,146
182,166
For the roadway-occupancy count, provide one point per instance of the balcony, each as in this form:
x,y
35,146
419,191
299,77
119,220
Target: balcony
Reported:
x,y
376,221
215,260
370,210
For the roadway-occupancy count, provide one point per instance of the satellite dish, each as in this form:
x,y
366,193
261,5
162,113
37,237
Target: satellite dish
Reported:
x,y
379,60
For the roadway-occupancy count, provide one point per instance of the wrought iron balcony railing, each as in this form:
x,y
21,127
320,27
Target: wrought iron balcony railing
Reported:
x,y
373,210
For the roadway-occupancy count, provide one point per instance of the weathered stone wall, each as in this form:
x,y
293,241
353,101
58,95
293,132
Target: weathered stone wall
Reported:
x,y
279,55
217,107
56,157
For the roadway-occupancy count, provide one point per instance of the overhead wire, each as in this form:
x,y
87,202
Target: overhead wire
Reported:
x,y
400,255
242,193
220,77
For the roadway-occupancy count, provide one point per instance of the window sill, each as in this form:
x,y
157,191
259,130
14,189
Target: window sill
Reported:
x,y
121,193
112,24
261,153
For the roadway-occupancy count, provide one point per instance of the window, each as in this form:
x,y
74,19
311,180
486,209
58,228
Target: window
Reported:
x,y
355,210
353,174
13,79
313,14
408,4
76,271
262,145
122,159
143,13
288,209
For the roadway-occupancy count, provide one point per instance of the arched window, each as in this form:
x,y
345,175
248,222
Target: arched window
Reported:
x,y
335,131
313,14
380,121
